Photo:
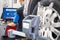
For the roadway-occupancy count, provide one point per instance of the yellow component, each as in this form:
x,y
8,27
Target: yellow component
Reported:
x,y
24,38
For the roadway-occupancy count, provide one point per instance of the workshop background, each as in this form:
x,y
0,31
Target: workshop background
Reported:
x,y
29,19
7,4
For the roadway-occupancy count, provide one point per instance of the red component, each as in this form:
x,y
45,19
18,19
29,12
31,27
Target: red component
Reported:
x,y
8,28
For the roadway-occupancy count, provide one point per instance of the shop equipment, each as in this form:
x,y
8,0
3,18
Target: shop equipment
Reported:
x,y
30,28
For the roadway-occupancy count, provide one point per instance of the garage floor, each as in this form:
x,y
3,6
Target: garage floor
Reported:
x,y
2,30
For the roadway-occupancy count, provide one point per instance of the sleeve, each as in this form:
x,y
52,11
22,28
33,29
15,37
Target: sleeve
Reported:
x,y
16,18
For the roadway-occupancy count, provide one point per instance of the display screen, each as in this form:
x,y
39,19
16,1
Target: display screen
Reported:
x,y
9,12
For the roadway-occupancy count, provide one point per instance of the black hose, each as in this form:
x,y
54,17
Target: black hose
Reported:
x,y
32,5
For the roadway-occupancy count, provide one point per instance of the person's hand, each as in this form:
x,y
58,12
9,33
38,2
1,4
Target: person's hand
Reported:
x,y
12,24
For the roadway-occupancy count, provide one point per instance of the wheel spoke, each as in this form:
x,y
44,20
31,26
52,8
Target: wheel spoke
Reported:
x,y
56,24
55,31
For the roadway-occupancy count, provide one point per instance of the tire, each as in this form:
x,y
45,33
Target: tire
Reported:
x,y
32,9
32,5
56,4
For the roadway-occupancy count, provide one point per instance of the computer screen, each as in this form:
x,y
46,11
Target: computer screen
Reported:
x,y
9,13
